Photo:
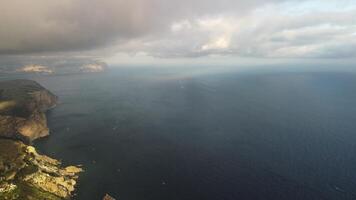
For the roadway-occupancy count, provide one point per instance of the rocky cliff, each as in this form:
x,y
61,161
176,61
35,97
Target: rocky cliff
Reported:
x,y
27,175
23,104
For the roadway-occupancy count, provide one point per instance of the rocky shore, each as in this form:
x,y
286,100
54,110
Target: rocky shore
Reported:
x,y
25,174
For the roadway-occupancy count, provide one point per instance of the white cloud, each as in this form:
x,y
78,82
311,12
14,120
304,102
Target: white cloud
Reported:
x,y
266,31
181,26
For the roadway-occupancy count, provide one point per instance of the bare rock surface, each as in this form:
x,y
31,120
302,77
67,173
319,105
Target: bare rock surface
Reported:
x,y
108,197
25,174
23,104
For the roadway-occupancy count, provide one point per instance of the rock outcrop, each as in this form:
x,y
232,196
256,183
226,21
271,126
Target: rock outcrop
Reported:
x,y
23,104
108,197
25,174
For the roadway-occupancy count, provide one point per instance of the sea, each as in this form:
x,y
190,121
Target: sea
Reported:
x,y
206,133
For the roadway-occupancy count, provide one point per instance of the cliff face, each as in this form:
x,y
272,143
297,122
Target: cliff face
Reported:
x,y
23,104
24,174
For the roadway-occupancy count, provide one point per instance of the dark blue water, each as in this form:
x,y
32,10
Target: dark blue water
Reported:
x,y
170,134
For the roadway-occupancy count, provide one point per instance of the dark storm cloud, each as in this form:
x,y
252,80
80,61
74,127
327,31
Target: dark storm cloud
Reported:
x,y
41,25
179,28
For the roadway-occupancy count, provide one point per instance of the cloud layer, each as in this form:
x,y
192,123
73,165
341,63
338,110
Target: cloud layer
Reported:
x,y
180,28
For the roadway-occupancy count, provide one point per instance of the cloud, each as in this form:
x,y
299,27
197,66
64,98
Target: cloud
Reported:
x,y
68,25
42,25
179,28
268,31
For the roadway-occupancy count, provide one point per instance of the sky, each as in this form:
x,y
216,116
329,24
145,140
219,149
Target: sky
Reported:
x,y
173,31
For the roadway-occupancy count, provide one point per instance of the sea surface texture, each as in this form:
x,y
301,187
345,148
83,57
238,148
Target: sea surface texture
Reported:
x,y
160,133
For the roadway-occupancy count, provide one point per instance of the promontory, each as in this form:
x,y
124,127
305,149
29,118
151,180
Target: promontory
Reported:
x,y
24,173
23,104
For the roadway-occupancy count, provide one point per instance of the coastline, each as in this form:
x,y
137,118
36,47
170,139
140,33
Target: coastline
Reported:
x,y
24,173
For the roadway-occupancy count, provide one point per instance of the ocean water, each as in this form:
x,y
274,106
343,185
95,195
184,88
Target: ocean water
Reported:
x,y
188,134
